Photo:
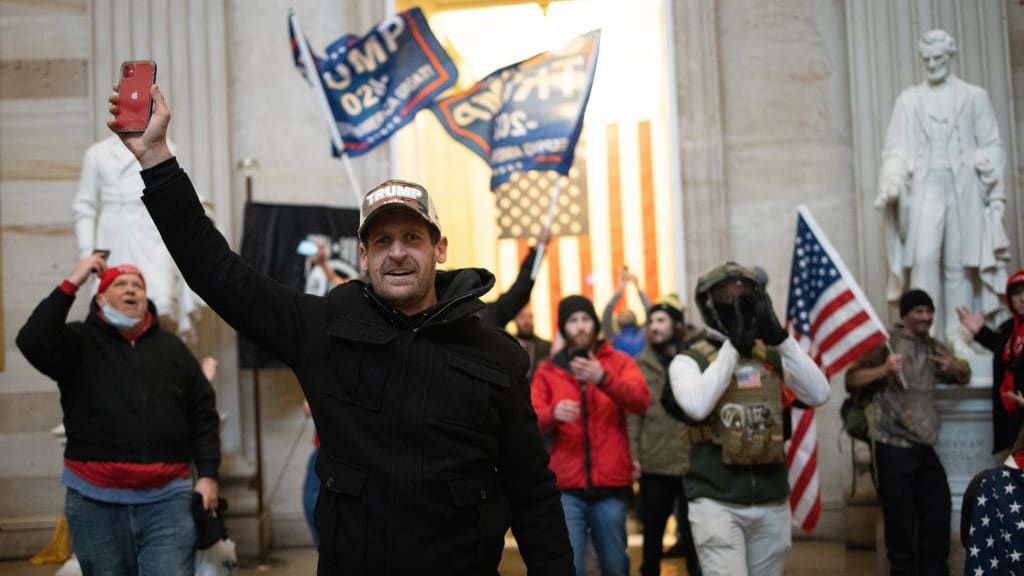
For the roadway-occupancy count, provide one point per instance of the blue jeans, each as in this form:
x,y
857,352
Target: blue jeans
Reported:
x,y
130,539
605,519
310,492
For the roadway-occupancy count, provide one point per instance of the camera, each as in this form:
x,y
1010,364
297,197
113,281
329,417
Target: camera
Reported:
x,y
128,71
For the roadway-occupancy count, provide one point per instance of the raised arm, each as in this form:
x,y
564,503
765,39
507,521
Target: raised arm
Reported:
x,y
265,311
46,340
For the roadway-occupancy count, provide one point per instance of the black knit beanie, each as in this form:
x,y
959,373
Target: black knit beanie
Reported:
x,y
576,303
675,313
912,299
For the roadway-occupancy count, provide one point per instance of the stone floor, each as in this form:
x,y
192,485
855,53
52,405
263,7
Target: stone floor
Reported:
x,y
807,558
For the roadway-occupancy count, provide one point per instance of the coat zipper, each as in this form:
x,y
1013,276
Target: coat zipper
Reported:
x,y
586,435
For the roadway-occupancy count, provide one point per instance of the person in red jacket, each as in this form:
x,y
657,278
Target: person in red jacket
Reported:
x,y
581,396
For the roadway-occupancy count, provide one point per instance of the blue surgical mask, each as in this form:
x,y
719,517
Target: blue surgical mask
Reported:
x,y
118,319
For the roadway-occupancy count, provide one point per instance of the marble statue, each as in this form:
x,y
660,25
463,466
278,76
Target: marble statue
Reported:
x,y
109,215
941,186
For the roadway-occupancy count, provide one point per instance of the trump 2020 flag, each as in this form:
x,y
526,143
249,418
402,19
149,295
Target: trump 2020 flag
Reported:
x,y
376,84
833,322
526,116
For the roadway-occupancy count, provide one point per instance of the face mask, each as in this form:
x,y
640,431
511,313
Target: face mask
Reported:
x,y
118,319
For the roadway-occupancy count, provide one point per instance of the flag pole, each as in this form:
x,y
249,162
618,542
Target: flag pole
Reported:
x,y
325,107
552,205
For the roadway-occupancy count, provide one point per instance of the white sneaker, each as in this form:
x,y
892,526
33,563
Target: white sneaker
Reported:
x,y
70,568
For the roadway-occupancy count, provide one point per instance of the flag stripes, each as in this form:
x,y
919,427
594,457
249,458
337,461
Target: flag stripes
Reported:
x,y
618,259
802,461
626,203
650,230
833,322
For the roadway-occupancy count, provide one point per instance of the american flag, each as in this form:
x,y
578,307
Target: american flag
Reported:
x,y
621,215
833,322
995,540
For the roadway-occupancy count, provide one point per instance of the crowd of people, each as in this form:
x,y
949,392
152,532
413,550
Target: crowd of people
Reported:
x,y
437,431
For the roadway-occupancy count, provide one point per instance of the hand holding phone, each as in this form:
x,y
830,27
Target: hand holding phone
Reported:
x,y
135,105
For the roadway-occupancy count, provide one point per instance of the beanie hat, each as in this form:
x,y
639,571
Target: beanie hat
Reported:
x,y
914,298
572,304
113,272
675,313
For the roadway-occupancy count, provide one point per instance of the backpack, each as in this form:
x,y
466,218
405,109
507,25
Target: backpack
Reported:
x,y
852,413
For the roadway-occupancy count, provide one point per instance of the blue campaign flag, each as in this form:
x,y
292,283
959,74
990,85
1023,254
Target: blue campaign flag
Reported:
x,y
375,84
526,116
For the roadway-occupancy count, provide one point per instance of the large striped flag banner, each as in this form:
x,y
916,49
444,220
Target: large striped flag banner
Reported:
x,y
615,211
833,322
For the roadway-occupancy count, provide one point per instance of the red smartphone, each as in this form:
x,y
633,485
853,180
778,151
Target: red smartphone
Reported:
x,y
135,105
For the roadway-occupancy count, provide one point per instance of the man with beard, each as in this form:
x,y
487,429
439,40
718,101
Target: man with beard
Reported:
x,y
428,446
733,395
537,348
903,424
581,396
139,414
659,445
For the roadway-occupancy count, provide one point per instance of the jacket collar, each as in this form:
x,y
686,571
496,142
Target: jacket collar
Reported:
x,y
458,292
94,319
957,89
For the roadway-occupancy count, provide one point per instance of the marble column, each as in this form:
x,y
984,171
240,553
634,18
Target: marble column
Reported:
x,y
786,133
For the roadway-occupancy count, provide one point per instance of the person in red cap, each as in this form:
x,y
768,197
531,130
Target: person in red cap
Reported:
x,y
141,421
1007,346
429,449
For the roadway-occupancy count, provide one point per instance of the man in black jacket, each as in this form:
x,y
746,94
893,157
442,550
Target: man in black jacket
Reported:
x,y
429,447
139,413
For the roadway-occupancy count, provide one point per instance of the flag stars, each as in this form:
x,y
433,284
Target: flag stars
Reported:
x,y
1009,488
990,542
1015,508
1015,556
974,551
994,562
982,500
985,520
1020,525
979,572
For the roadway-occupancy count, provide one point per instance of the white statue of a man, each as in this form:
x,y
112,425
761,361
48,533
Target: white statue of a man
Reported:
x,y
941,183
109,215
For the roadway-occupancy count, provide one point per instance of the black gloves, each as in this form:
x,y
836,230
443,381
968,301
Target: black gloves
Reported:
x,y
737,321
768,327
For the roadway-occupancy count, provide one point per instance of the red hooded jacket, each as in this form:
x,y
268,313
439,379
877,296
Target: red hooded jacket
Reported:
x,y
624,389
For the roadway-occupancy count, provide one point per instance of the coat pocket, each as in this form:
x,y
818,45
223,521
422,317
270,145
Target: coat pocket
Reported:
x,y
360,366
467,391
480,504
341,513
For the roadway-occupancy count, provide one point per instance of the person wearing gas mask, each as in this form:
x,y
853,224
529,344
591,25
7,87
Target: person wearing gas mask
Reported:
x,y
733,394
581,397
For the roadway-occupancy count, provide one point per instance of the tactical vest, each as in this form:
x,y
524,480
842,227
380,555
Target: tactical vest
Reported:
x,y
747,420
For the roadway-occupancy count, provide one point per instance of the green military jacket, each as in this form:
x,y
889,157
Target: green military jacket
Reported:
x,y
658,441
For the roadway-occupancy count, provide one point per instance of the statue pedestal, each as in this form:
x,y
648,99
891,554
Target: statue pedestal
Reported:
x,y
965,439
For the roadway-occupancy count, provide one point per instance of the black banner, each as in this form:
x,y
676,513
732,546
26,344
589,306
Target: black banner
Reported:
x,y
270,243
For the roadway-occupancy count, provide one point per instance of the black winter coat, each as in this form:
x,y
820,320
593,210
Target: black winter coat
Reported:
x,y
1005,425
429,446
122,403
